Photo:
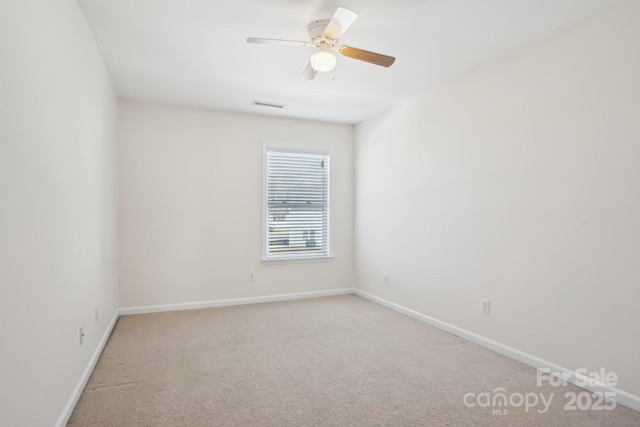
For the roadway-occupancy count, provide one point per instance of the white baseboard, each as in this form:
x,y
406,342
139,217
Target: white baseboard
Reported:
x,y
235,301
621,397
77,392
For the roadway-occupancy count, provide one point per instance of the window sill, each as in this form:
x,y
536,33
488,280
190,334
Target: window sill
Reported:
x,y
297,260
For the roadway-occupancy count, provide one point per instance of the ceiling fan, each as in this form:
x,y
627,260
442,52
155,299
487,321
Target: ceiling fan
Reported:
x,y
324,35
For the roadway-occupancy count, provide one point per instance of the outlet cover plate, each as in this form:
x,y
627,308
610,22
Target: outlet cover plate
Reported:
x,y
485,305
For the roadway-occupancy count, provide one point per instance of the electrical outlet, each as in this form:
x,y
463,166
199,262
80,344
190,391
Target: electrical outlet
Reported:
x,y
386,278
485,305
97,314
81,336
252,276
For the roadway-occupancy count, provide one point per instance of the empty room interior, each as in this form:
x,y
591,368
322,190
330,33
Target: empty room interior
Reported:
x,y
354,213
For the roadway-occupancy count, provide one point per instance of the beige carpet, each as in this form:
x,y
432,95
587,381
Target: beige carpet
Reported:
x,y
338,361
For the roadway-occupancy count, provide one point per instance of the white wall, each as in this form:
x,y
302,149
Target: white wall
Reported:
x,y
190,205
57,206
520,183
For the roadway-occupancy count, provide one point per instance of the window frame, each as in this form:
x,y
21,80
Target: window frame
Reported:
x,y
267,147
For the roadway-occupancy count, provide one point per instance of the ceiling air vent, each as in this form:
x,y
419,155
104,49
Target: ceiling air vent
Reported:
x,y
267,104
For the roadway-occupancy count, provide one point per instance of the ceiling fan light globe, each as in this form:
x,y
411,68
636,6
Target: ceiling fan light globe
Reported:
x,y
323,61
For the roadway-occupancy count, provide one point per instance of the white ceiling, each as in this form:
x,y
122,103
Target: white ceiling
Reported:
x,y
193,52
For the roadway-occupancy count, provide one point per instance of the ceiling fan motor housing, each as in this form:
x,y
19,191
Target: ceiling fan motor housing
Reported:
x,y
316,34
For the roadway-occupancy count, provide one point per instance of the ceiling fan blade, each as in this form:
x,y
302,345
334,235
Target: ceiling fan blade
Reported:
x,y
366,56
309,73
340,22
277,41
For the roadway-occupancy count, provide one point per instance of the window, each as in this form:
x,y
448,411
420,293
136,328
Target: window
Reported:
x,y
296,204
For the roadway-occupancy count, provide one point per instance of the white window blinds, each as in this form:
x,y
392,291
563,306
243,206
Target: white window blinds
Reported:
x,y
297,205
